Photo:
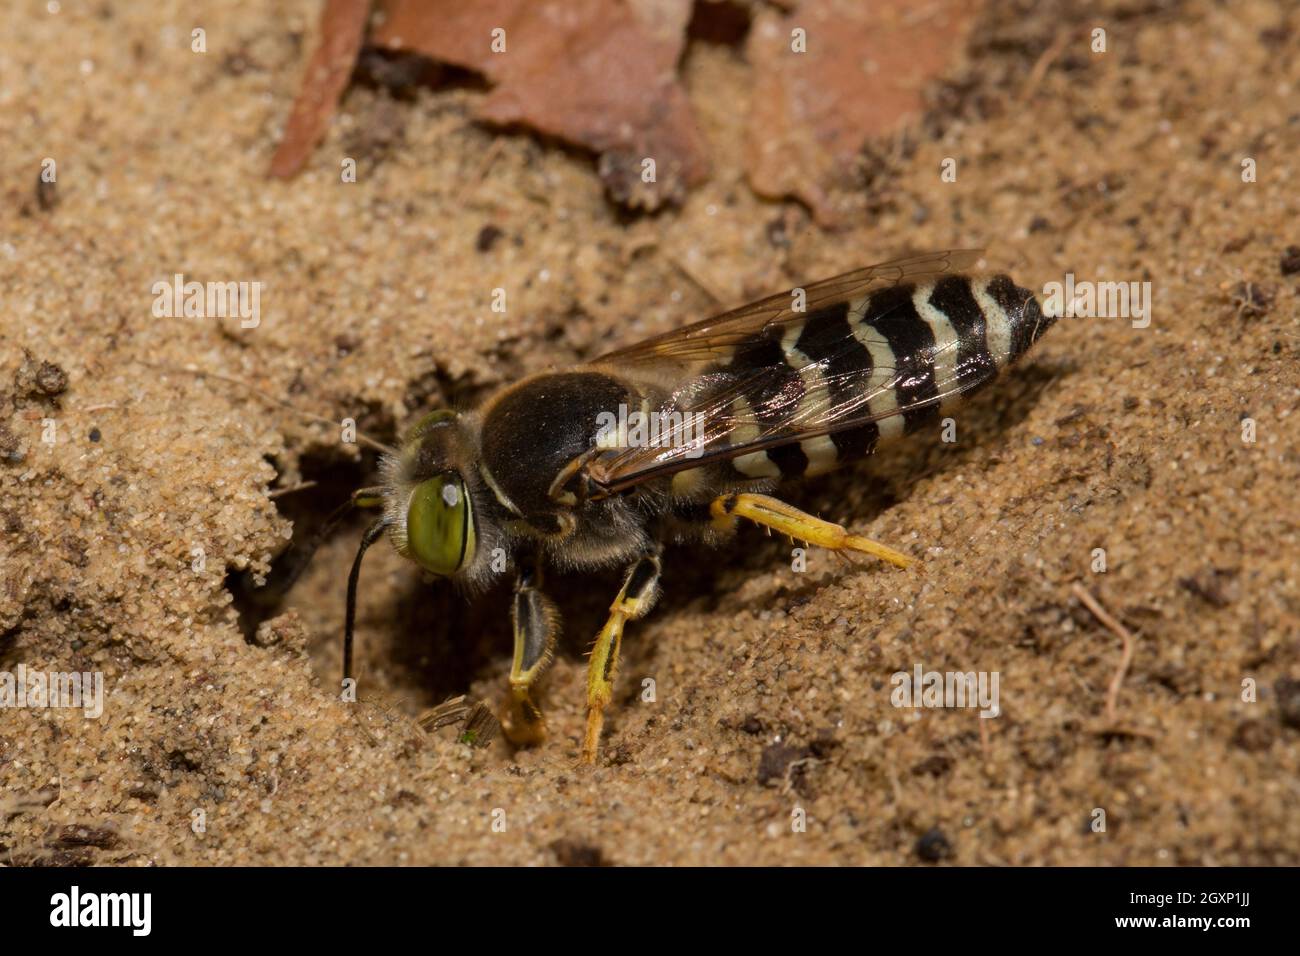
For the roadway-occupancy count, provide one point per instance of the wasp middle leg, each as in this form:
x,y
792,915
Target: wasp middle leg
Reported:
x,y
536,625
640,588
789,520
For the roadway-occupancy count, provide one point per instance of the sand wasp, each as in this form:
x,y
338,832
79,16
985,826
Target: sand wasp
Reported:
x,y
795,384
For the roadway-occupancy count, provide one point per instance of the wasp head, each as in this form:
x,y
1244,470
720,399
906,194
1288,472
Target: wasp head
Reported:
x,y
428,503
430,485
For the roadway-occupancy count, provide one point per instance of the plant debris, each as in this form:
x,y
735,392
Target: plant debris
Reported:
x,y
1288,701
603,76
342,27
577,853
1289,264
861,71
933,846
480,725
594,74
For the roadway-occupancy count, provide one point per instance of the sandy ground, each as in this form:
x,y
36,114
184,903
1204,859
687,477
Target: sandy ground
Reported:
x,y
772,688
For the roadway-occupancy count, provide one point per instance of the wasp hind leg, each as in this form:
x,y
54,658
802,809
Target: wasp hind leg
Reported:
x,y
790,521
536,625
640,588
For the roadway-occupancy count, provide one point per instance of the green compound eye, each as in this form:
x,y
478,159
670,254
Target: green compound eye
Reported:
x,y
439,525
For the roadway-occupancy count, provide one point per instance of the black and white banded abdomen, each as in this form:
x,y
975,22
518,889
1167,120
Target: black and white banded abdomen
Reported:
x,y
890,363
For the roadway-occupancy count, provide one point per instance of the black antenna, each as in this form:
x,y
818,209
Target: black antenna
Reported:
x,y
372,535
307,551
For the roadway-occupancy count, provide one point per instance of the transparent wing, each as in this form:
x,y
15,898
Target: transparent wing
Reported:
x,y
715,339
728,411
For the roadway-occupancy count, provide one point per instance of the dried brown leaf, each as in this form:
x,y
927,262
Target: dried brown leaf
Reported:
x,y
862,73
595,73
342,27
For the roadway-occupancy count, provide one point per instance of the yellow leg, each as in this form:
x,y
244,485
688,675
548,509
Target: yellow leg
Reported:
x,y
536,625
792,522
633,601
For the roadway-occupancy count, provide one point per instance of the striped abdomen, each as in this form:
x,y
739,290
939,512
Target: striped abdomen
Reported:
x,y
875,368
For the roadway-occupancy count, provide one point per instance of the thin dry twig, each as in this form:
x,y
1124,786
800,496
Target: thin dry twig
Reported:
x,y
490,156
803,763
342,29
1042,65
301,486
1115,627
16,804
700,281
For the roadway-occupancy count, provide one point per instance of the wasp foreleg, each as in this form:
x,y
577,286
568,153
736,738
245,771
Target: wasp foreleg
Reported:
x,y
640,588
789,520
536,626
